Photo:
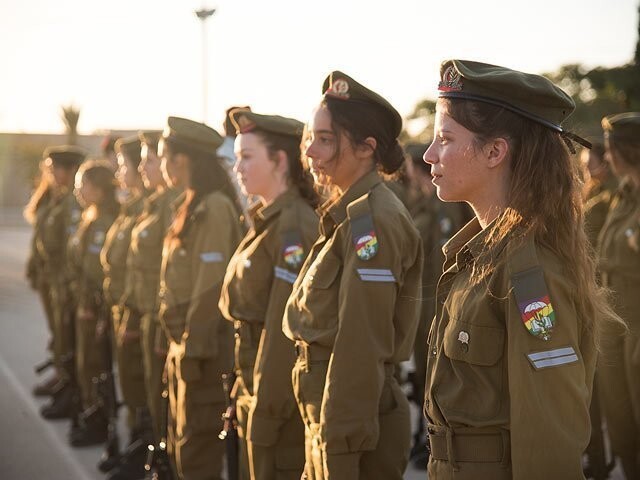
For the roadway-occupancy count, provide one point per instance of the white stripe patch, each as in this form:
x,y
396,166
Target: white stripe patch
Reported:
x,y
376,275
552,358
211,257
286,275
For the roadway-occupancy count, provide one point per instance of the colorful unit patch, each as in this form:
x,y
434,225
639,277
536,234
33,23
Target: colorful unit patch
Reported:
x,y
293,255
538,316
367,246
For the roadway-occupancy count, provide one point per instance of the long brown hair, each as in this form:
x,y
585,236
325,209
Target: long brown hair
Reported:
x,y
206,175
41,194
100,174
544,199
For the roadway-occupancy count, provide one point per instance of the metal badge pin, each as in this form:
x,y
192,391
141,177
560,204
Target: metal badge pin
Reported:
x,y
463,338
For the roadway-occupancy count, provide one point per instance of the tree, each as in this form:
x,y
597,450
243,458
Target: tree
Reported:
x,y
70,116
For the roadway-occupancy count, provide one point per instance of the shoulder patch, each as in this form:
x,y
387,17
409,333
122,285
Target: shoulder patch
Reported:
x,y
534,304
292,249
363,231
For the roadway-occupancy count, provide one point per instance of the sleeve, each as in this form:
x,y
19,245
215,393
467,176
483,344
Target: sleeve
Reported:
x,y
550,380
366,337
214,243
92,276
275,403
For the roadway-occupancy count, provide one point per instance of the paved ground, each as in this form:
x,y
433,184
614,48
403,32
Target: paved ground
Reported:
x,y
31,448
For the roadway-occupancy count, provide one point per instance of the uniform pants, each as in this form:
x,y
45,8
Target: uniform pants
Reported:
x,y
277,454
387,462
63,325
129,361
153,363
44,290
243,404
617,397
90,358
196,404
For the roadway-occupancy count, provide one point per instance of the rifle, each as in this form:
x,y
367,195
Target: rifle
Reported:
x,y
597,467
158,464
229,431
107,389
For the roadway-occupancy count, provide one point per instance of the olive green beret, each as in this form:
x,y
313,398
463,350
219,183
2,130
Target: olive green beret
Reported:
x,y
341,86
129,147
69,155
246,121
531,96
192,133
150,137
623,126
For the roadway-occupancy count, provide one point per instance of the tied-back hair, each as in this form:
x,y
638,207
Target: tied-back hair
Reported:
x,y
100,174
299,175
544,200
206,175
362,120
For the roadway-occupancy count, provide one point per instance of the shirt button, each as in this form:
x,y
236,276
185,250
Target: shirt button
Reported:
x,y
434,352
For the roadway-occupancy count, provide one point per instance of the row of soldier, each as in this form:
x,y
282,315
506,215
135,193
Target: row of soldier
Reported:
x,y
150,257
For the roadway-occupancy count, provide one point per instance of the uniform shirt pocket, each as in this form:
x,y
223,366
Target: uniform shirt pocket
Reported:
x,y
474,344
320,290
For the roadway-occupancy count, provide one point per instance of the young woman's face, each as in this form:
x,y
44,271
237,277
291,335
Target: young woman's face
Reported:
x,y
255,170
618,165
62,175
168,167
328,165
126,174
149,168
86,192
455,169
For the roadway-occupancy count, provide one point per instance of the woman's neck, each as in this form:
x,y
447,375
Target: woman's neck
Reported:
x,y
273,193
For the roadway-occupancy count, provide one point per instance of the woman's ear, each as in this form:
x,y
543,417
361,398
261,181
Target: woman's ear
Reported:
x,y
496,151
282,162
367,147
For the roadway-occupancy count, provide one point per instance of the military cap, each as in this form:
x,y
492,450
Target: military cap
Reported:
x,y
129,147
623,126
531,96
246,121
68,155
150,137
341,86
192,133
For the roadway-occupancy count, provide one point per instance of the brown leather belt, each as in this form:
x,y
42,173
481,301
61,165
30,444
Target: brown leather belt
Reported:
x,y
479,445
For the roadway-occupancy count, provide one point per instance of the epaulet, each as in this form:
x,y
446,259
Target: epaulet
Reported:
x,y
530,289
293,252
363,232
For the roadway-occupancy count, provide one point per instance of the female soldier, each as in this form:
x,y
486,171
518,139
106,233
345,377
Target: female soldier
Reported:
x,y
125,317
256,287
619,262
96,191
354,309
143,270
199,244
53,226
511,350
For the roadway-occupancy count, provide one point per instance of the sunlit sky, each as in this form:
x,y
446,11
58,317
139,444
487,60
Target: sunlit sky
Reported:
x,y
128,64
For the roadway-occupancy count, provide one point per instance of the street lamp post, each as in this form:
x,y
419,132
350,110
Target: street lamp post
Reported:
x,y
203,14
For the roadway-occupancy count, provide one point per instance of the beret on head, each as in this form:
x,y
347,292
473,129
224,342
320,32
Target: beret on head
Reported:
x,y
531,96
194,134
246,121
66,155
623,127
129,147
342,87
150,137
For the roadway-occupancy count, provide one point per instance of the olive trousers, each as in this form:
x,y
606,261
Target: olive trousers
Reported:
x,y
153,343
389,459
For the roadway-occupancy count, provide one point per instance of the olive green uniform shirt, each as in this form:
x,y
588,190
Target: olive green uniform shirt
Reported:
x,y
192,273
366,311
256,288
485,370
116,248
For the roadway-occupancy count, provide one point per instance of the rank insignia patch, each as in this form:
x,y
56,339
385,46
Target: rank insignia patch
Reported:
x,y
539,318
293,255
367,246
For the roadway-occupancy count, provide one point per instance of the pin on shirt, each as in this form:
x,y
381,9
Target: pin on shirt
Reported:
x,y
463,338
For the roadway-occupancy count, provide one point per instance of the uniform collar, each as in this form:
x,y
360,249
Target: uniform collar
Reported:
x,y
469,244
261,214
336,210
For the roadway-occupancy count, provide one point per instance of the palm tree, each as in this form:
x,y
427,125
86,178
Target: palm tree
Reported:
x,y
70,116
